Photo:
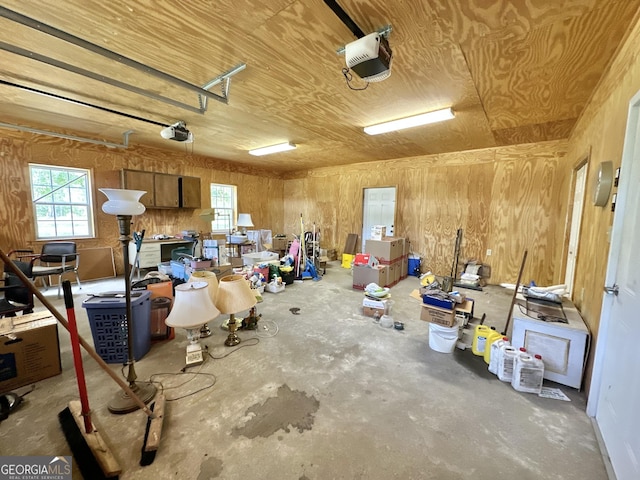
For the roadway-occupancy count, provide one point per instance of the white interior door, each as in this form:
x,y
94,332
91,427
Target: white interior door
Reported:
x,y
617,359
576,219
379,208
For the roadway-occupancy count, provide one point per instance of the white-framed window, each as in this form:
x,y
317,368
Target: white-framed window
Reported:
x,y
224,201
61,199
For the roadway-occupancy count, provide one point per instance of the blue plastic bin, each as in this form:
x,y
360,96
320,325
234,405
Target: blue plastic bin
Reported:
x,y
413,267
108,320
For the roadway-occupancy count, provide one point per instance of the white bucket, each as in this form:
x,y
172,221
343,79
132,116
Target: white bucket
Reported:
x,y
443,339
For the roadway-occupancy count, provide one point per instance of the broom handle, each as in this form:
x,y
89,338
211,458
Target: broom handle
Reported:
x,y
515,292
88,348
77,356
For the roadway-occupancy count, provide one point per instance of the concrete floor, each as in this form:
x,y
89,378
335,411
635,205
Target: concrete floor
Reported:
x,y
331,396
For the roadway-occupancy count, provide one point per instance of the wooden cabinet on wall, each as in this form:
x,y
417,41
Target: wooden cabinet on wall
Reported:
x,y
189,188
137,180
164,190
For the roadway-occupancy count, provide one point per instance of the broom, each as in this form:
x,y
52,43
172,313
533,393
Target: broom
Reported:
x,y
93,457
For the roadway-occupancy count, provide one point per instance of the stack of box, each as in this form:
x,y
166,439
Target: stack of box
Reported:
x,y
390,252
363,275
280,245
30,351
373,308
443,312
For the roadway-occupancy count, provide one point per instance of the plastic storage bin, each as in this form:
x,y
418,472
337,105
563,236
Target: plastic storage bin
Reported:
x,y
413,265
108,322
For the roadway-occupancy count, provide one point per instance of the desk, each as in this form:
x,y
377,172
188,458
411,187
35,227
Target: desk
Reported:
x,y
153,252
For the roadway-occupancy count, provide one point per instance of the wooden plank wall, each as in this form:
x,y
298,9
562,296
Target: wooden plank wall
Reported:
x,y
601,131
259,193
505,199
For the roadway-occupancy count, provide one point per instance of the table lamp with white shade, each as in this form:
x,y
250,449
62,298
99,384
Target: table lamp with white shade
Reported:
x,y
192,308
244,221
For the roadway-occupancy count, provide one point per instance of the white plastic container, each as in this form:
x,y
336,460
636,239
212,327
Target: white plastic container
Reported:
x,y
505,362
259,257
528,373
443,339
496,353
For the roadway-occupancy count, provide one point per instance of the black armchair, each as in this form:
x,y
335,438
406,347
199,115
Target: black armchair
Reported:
x,y
56,258
17,296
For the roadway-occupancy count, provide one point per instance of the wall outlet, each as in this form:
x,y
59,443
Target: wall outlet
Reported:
x,y
488,252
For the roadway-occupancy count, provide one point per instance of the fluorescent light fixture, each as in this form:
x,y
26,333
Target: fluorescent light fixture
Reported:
x,y
408,122
281,147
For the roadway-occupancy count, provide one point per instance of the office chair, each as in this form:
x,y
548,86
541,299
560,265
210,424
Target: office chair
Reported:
x,y
56,258
17,297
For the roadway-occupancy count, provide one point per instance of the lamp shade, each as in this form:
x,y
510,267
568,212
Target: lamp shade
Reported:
x,y
123,202
192,306
207,214
244,220
234,294
208,277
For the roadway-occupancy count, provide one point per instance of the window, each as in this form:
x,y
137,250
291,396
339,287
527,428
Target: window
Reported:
x,y
223,200
61,202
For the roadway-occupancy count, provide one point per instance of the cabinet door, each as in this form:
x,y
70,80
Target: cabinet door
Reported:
x,y
190,192
137,180
166,190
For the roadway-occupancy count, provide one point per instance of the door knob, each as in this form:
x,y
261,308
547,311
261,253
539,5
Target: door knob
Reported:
x,y
611,290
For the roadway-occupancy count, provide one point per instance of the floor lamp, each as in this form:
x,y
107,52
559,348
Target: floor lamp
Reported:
x,y
124,204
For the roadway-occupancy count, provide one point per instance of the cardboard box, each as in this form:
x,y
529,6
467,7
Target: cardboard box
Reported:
x,y
280,243
465,308
386,251
372,308
361,259
371,303
236,262
372,312
404,266
34,354
441,316
378,232
222,270
363,275
392,269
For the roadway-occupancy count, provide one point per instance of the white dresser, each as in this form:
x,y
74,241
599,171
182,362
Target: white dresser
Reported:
x,y
563,346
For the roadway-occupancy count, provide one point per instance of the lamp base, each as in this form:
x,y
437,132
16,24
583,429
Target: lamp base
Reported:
x,y
232,340
205,331
194,355
122,403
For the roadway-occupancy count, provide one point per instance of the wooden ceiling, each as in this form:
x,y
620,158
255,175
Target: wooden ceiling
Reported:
x,y
514,72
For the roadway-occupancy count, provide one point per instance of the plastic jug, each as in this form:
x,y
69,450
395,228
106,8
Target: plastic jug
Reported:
x,y
492,337
528,373
505,362
496,351
480,339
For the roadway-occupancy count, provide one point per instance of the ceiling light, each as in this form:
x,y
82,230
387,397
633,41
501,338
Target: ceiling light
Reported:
x,y
408,122
281,147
